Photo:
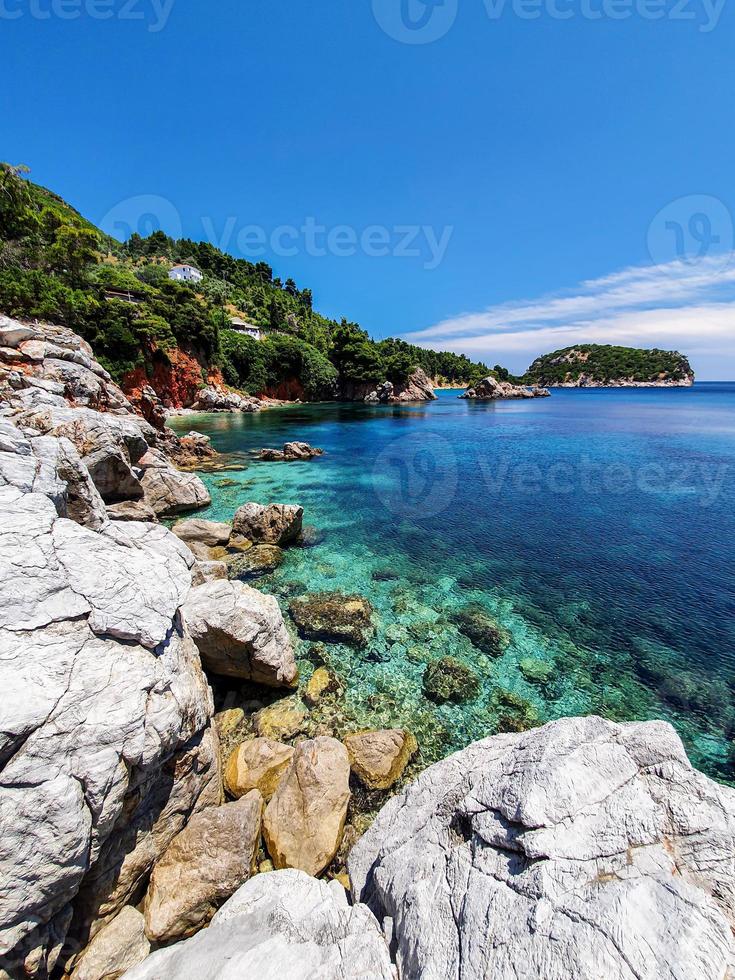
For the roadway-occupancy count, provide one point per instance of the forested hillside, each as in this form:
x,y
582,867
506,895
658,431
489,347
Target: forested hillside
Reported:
x,y
56,266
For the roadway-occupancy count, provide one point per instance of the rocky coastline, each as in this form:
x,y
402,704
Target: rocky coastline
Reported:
x,y
490,389
176,801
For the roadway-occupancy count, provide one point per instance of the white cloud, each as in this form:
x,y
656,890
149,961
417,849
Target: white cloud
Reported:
x,y
688,306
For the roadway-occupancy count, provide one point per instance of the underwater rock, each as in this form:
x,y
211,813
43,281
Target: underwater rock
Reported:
x,y
447,679
257,764
378,758
322,682
581,849
515,713
310,537
203,866
333,616
273,524
305,819
232,726
282,719
255,562
481,629
536,671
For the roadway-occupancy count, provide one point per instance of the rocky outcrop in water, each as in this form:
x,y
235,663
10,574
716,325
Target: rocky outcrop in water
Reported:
x,y
333,616
280,926
581,849
291,452
418,387
378,758
211,399
272,524
490,389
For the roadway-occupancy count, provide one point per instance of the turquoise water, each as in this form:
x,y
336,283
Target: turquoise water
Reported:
x,y
596,527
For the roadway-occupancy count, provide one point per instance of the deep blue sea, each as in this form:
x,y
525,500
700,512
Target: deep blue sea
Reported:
x,y
597,527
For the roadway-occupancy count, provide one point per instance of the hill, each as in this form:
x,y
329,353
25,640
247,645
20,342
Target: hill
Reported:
x,y
57,266
602,365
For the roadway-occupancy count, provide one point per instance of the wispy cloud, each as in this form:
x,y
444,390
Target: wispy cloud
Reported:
x,y
687,305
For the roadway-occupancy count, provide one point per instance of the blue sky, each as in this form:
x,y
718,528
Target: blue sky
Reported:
x,y
513,182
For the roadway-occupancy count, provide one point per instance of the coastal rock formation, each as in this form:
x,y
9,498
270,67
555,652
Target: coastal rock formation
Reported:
x,y
490,388
257,561
272,524
418,387
169,491
333,616
257,764
203,866
580,849
378,758
481,629
305,819
211,399
118,946
279,926
240,632
210,533
291,451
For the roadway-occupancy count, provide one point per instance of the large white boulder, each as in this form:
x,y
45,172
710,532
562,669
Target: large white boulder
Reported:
x,y
240,632
580,849
283,925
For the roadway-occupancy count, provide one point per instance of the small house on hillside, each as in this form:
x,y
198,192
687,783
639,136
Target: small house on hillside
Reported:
x,y
185,273
244,328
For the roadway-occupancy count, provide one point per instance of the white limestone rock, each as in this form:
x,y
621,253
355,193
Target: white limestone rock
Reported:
x,y
283,925
580,849
240,632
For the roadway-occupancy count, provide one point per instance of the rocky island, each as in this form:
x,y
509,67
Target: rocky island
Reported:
x,y
606,366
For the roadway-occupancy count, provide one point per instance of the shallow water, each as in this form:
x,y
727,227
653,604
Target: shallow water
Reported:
x,y
597,528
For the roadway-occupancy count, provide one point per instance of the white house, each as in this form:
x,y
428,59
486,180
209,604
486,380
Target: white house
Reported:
x,y
187,273
246,329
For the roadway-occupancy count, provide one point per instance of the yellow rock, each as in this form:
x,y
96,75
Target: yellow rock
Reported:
x,y
258,764
281,720
321,682
378,758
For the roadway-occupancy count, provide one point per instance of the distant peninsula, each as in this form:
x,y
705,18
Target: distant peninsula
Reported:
x,y
606,366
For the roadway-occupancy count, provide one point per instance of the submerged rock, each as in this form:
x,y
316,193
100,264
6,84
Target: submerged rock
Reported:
x,y
515,713
321,683
254,562
378,758
481,629
257,764
279,926
202,867
333,616
282,719
272,524
305,819
447,679
240,632
581,849
536,671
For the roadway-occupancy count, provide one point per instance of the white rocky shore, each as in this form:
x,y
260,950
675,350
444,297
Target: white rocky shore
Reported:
x,y
583,849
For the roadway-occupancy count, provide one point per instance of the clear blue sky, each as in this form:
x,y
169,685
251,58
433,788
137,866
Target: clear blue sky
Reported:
x,y
546,148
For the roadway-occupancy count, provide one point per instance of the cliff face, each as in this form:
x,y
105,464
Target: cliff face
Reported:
x,y
603,366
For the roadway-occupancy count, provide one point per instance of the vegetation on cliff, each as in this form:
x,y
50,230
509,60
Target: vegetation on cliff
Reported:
x,y
605,364
55,265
